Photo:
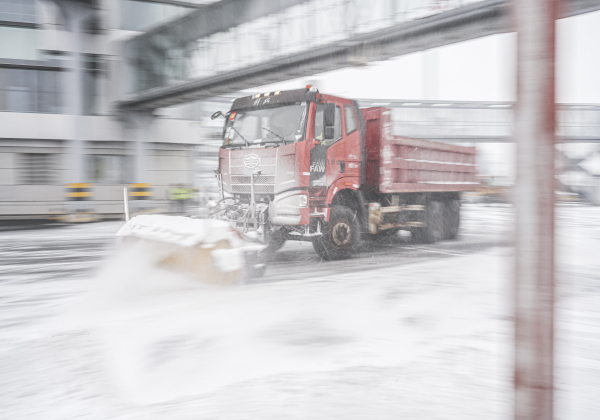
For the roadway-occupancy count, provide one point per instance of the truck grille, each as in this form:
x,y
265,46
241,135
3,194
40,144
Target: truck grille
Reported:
x,y
261,179
263,184
258,189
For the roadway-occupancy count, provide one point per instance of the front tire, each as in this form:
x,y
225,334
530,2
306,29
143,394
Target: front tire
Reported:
x,y
342,238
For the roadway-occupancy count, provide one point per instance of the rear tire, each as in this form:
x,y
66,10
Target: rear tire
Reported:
x,y
451,218
434,229
342,238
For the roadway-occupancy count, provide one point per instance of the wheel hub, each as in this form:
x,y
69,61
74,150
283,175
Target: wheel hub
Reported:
x,y
341,234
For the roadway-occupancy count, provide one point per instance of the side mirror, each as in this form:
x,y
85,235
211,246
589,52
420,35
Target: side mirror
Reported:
x,y
217,115
329,133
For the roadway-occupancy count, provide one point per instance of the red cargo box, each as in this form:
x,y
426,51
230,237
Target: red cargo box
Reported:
x,y
400,164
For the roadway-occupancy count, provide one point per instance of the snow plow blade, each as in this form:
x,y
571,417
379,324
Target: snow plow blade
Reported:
x,y
209,250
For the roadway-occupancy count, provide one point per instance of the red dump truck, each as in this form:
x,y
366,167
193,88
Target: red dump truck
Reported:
x,y
306,166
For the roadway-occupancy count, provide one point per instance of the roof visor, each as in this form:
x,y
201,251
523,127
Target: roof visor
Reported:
x,y
276,97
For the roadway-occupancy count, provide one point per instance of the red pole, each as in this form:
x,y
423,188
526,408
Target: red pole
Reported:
x,y
534,208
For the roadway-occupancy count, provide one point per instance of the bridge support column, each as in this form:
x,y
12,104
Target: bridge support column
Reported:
x,y
534,205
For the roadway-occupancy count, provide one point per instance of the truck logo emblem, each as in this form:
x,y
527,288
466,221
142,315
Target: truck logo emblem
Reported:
x,y
251,161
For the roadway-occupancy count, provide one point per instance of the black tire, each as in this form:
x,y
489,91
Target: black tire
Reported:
x,y
451,218
342,238
318,247
434,229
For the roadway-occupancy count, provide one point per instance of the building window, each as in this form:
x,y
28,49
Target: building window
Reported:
x,y
17,11
26,90
37,168
107,169
20,90
18,43
94,68
49,96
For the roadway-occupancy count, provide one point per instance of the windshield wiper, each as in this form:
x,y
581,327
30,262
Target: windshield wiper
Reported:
x,y
272,132
242,137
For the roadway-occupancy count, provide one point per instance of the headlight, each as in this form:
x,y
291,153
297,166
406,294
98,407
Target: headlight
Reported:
x,y
303,200
298,200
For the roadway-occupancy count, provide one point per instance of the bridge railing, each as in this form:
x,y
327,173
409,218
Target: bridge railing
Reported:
x,y
446,122
487,121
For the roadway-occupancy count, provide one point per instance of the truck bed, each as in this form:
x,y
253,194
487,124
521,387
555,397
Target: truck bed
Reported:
x,y
400,164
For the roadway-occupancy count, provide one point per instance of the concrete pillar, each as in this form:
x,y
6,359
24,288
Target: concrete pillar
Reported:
x,y
76,14
534,207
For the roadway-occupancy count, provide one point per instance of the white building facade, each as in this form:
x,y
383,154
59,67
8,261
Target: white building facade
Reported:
x,y
60,77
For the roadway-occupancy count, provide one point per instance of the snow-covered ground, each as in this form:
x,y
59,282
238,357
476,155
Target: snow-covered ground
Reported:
x,y
427,340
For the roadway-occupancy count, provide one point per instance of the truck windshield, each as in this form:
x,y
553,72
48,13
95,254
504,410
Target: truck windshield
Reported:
x,y
272,125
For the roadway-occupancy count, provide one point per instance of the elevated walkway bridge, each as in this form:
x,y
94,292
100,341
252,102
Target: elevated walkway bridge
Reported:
x,y
232,45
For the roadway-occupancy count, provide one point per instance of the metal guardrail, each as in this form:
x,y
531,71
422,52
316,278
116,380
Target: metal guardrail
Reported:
x,y
447,121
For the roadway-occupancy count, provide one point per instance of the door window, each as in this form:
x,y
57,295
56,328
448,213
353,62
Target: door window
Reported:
x,y
350,122
337,128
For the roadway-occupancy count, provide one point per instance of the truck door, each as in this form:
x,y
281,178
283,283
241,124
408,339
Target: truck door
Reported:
x,y
338,157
